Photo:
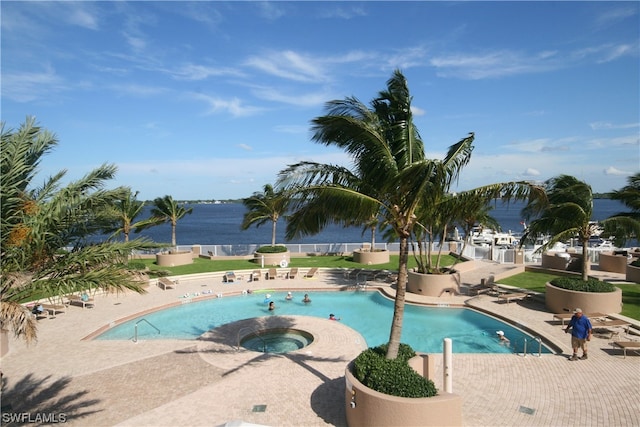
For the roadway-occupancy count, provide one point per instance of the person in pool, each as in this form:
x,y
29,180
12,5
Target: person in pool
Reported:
x,y
289,296
272,306
306,299
333,317
503,340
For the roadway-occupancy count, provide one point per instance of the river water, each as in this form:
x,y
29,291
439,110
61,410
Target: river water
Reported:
x,y
219,224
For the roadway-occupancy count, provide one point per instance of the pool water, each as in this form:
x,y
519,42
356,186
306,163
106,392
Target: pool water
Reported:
x,y
369,313
277,341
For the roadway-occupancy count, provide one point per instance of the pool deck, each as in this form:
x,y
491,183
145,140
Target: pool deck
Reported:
x,y
209,383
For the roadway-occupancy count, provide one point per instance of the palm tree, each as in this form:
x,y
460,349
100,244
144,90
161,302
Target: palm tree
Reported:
x,y
566,213
168,210
388,154
45,251
624,225
124,213
265,206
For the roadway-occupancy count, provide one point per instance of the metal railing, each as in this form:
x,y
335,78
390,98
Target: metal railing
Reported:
x,y
135,328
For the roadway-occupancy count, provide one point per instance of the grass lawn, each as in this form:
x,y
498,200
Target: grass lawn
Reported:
x,y
202,265
536,282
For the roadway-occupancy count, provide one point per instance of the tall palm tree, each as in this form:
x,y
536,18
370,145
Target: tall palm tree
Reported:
x,y
388,155
44,247
124,213
265,206
625,225
165,209
566,213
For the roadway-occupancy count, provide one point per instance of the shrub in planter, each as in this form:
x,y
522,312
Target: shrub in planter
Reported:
x,y
575,284
393,377
272,249
636,263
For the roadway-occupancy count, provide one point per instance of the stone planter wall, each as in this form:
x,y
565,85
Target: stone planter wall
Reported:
x,y
368,257
613,263
433,285
633,274
371,408
556,260
273,260
560,300
174,259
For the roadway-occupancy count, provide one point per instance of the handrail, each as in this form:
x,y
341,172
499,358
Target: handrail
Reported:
x,y
539,340
135,327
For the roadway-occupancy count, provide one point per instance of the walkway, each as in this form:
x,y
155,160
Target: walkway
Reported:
x,y
174,382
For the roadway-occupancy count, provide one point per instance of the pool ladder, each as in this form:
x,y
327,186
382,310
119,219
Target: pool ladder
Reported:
x,y
539,340
135,329
256,332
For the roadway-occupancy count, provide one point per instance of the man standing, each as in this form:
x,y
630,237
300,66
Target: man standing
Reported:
x,y
580,334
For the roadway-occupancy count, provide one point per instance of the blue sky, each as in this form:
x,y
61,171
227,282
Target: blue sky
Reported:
x,y
209,100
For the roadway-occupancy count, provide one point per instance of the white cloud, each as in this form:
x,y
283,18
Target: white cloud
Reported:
x,y
289,65
614,171
609,125
233,106
245,147
531,172
201,72
32,86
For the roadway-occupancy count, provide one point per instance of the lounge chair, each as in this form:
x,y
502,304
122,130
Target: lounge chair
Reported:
x,y
627,345
78,300
165,283
229,277
293,273
256,275
272,274
512,296
54,309
311,273
567,316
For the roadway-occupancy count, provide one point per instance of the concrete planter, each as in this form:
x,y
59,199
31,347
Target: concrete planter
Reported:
x,y
434,285
560,300
556,260
368,257
633,274
366,407
613,263
173,259
280,259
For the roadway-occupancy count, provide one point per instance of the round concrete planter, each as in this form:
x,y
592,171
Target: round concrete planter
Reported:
x,y
560,300
433,285
367,257
276,259
173,259
633,274
367,407
613,263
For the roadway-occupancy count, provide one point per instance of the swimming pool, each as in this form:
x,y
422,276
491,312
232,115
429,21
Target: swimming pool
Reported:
x,y
369,313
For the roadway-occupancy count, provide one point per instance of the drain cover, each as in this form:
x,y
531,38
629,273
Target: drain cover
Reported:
x,y
259,408
526,410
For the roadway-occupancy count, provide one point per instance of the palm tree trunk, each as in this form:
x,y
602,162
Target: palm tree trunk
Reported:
x,y
373,238
585,259
398,307
173,235
273,233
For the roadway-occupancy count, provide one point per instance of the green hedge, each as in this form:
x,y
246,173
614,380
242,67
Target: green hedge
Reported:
x,y
393,377
577,284
636,262
272,249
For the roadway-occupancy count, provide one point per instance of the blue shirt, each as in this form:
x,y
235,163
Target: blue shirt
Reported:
x,y
580,326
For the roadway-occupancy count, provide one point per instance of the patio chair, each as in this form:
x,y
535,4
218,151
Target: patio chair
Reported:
x,y
256,275
272,274
293,273
229,276
627,345
81,300
311,273
165,283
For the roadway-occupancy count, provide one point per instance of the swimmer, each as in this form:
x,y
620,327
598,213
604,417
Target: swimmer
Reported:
x,y
306,299
503,340
289,296
333,317
272,306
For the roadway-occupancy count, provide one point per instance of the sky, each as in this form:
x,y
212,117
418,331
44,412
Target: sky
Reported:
x,y
210,100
